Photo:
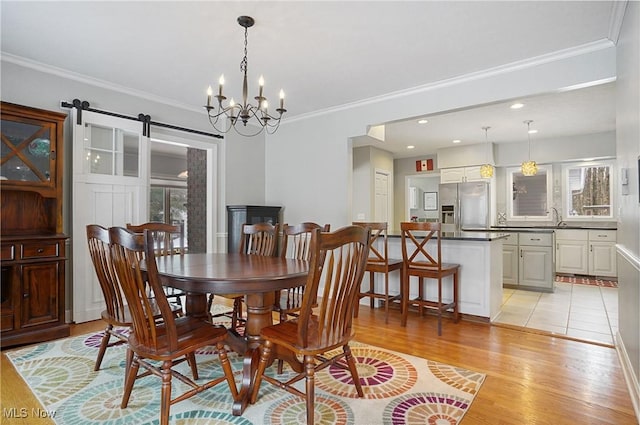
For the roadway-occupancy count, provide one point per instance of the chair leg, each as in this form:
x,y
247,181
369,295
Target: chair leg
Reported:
x,y
404,294
132,374
265,354
191,359
129,358
386,298
165,393
226,367
353,369
371,290
103,347
456,310
440,306
310,370
421,295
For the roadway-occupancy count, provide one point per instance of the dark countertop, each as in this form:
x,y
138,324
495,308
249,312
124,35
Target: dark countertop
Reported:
x,y
464,235
543,227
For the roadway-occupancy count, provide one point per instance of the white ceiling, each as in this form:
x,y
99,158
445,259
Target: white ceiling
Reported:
x,y
323,54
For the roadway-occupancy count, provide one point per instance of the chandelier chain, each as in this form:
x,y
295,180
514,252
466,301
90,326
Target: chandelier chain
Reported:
x,y
244,62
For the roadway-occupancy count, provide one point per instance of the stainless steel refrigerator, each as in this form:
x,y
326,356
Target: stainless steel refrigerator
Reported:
x,y
464,206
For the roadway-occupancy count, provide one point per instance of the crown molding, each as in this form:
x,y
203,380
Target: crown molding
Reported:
x,y
474,76
96,82
615,20
598,45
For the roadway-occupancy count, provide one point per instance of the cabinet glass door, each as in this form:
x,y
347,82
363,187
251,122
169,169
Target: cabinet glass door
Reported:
x,y
26,152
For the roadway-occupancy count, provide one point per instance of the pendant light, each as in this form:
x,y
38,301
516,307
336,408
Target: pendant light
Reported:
x,y
486,170
529,168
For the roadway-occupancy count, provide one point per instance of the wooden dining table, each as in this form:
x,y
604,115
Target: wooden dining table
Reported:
x,y
257,277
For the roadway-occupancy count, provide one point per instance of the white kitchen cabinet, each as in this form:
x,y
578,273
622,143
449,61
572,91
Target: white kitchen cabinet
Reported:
x,y
586,252
510,259
572,254
602,253
461,174
534,267
528,261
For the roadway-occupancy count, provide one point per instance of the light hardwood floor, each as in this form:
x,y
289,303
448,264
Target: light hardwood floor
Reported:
x,y
532,378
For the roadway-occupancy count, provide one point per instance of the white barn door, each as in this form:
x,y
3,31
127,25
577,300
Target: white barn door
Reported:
x,y
110,188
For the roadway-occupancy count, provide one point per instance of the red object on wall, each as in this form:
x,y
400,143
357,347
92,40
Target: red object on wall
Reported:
x,y
424,165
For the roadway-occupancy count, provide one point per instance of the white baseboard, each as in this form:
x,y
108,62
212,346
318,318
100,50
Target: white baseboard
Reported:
x,y
629,376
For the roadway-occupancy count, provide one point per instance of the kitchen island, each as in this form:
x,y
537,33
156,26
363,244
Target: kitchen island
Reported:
x,y
480,279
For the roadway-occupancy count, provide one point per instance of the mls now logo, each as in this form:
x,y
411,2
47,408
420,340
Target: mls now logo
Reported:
x,y
22,413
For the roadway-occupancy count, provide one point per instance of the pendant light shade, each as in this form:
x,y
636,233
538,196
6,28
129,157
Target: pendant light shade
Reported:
x,y
529,168
486,170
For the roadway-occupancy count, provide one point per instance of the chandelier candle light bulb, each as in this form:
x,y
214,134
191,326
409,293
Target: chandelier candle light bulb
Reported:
x,y
255,114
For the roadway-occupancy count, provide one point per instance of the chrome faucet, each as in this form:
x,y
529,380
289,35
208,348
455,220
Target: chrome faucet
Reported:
x,y
557,217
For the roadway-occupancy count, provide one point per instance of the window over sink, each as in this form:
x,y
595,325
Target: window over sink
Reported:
x,y
529,197
588,190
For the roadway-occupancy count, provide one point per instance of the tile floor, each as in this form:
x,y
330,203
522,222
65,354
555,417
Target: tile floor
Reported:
x,y
580,311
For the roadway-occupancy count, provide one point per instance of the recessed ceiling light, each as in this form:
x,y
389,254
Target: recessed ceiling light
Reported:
x,y
410,147
457,141
517,105
533,131
422,121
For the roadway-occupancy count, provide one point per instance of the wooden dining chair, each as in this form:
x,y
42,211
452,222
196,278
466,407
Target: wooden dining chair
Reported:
x,y
169,341
256,239
296,244
168,239
116,314
338,261
421,263
379,262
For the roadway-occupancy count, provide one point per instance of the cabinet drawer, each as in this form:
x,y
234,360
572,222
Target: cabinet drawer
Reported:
x,y
512,239
535,239
40,250
7,252
602,235
571,235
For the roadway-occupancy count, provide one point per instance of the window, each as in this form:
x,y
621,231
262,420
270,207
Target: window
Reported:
x,y
168,205
529,197
588,190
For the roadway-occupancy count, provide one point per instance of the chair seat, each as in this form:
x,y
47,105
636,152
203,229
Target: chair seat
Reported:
x,y
430,271
126,320
191,332
286,334
380,267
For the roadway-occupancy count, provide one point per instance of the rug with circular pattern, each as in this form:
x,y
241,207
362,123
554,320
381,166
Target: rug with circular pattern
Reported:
x,y
398,389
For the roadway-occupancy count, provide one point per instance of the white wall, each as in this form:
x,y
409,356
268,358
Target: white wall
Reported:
x,y
628,151
319,189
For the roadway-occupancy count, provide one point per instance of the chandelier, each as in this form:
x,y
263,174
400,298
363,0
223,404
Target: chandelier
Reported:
x,y
529,168
486,170
244,112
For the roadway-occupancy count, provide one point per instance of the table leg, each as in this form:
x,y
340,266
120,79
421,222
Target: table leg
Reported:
x,y
259,315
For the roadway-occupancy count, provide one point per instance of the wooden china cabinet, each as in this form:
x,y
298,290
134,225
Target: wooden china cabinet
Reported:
x,y
32,296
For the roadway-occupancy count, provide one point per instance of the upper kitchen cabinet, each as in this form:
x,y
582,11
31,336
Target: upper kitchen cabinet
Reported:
x,y
461,175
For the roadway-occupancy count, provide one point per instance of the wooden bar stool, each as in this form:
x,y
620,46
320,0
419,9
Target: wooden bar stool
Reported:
x,y
379,262
421,264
